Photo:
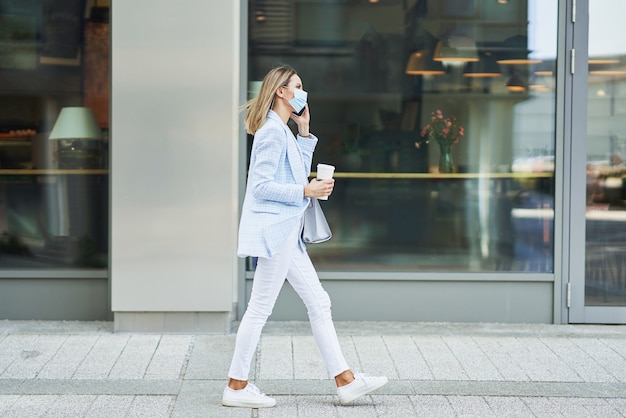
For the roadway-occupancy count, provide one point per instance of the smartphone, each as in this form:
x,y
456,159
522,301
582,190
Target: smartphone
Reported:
x,y
300,112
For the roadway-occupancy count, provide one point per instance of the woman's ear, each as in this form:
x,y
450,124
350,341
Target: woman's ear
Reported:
x,y
280,91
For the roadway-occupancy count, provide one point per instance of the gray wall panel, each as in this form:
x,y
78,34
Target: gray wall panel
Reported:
x,y
174,149
508,302
54,299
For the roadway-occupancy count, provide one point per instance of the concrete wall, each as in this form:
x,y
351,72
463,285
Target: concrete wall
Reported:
x,y
174,163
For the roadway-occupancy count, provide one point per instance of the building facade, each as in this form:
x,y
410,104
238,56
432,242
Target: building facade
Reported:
x,y
478,147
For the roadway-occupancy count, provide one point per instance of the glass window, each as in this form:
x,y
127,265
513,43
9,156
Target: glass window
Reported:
x,y
605,275
54,105
439,116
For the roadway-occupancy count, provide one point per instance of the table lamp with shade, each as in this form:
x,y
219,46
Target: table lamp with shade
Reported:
x,y
79,138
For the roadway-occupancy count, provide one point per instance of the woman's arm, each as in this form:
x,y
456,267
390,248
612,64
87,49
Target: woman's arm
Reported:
x,y
268,148
307,146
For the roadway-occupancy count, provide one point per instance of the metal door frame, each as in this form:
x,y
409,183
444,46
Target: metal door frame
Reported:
x,y
578,312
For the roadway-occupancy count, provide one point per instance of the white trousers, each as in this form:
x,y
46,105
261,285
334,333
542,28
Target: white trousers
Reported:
x,y
292,263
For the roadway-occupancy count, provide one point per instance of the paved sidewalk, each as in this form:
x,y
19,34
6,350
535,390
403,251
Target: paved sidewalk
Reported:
x,y
83,369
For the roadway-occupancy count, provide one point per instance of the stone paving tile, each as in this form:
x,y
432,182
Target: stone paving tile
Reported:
x,y
350,353
407,360
584,407
617,345
432,406
560,369
536,360
276,358
8,350
362,407
508,406
202,398
66,360
219,411
28,354
542,407
312,406
308,362
393,406
521,353
475,363
151,407
297,387
286,407
135,358
210,357
70,406
605,356
542,365
6,401
107,406
470,406
100,360
618,404
30,406
619,368
443,364
584,365
169,359
499,351
374,357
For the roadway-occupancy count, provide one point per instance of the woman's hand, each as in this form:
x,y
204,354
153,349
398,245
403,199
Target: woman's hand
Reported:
x,y
319,188
302,121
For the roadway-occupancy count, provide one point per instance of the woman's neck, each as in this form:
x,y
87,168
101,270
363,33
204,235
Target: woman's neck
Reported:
x,y
282,109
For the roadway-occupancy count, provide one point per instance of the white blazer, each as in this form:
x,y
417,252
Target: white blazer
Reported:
x,y
280,165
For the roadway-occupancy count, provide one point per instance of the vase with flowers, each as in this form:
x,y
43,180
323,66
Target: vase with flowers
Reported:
x,y
446,131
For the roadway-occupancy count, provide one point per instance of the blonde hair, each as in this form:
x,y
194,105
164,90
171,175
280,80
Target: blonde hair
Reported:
x,y
257,108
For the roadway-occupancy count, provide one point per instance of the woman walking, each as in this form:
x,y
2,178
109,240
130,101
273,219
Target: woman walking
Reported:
x,y
277,193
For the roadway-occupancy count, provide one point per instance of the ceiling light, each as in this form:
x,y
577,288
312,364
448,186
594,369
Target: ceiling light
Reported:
x,y
456,48
516,84
485,67
595,61
539,88
515,51
608,72
421,63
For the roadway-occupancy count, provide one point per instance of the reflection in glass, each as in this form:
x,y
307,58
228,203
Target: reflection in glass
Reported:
x,y
605,272
377,73
53,192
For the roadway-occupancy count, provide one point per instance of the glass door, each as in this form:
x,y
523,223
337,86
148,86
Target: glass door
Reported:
x,y
599,285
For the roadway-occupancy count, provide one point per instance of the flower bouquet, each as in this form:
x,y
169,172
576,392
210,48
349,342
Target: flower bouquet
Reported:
x,y
446,131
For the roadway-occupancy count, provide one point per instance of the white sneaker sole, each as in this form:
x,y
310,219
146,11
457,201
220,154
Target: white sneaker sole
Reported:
x,y
247,404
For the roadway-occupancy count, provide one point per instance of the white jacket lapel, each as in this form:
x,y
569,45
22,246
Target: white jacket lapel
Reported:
x,y
296,161
294,154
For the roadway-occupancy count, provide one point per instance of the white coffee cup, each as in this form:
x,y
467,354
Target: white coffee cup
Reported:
x,y
325,172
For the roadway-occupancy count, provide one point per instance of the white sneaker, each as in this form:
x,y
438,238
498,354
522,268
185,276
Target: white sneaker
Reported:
x,y
248,397
362,385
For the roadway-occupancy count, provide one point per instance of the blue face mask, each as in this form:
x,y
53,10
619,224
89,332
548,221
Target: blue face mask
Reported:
x,y
299,101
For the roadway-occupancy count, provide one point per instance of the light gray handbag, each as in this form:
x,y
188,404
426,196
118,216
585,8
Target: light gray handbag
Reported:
x,y
316,228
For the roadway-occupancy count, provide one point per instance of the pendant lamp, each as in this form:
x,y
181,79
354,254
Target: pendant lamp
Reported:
x,y
486,67
421,63
515,51
456,48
